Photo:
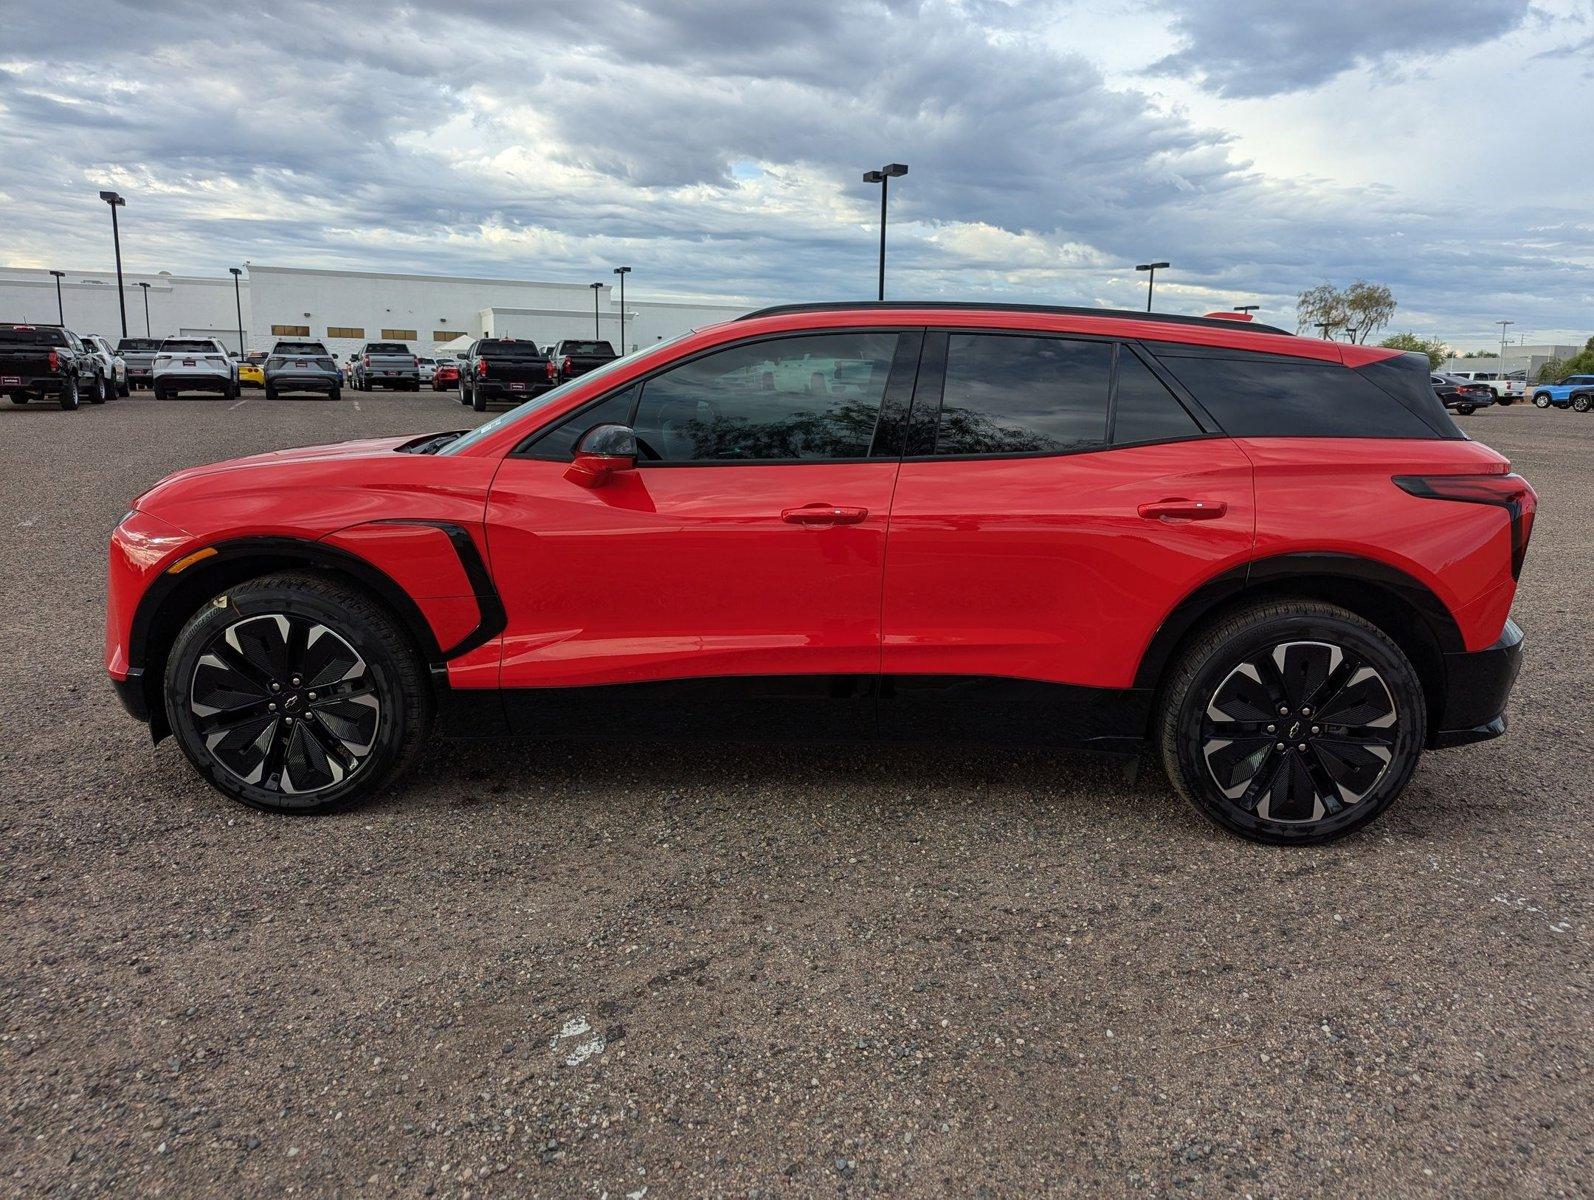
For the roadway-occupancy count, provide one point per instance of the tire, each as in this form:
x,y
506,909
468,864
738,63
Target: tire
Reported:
x,y
464,396
271,392
239,652
1346,776
335,394
1582,402
101,392
1465,410
71,397
478,402
1541,399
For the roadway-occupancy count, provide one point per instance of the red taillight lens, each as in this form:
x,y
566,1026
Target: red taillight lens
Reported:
x,y
55,361
1510,492
481,366
565,367
366,360
552,374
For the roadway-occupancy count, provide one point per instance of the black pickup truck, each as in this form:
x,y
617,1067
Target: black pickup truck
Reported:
x,y
503,369
571,358
40,361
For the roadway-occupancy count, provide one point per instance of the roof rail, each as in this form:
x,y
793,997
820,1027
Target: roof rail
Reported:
x,y
975,306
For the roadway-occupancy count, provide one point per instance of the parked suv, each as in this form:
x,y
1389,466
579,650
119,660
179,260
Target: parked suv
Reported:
x,y
1575,392
302,372
1273,561
194,365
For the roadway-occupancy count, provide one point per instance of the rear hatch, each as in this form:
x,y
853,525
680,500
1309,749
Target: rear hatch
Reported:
x,y
301,364
28,352
577,358
138,354
191,357
391,359
518,366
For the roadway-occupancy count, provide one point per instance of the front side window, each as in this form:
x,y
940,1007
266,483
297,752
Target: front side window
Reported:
x,y
787,399
1008,394
559,443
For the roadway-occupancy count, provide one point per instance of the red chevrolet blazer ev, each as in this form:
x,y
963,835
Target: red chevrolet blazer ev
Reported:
x,y
1275,560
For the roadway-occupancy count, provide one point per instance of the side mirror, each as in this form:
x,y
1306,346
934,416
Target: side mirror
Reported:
x,y
602,450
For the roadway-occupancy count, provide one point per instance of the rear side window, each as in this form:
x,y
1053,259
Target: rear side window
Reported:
x,y
787,399
1144,410
1009,394
1264,396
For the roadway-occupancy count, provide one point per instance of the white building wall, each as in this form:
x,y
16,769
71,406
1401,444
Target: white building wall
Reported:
x,y
177,303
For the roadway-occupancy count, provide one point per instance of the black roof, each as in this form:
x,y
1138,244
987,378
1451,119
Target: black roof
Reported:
x,y
973,306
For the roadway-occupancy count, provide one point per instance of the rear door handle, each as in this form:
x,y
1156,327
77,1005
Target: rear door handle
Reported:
x,y
823,514
1177,508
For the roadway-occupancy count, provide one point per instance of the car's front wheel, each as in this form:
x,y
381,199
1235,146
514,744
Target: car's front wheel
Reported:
x,y
1292,721
293,693
1541,400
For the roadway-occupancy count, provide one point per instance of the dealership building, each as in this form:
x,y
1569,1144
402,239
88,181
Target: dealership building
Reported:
x,y
346,308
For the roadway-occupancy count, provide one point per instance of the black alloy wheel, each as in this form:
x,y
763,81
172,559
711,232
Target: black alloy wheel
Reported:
x,y
1293,721
294,694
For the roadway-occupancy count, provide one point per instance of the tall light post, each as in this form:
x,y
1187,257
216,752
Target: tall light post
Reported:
x,y
1502,325
883,177
237,298
1151,277
117,202
622,272
145,288
1325,326
1246,308
60,308
597,331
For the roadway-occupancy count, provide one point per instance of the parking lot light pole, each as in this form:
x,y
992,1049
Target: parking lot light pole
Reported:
x,y
1502,325
622,272
116,202
597,329
145,288
1325,326
60,308
883,177
237,299
1246,308
1151,278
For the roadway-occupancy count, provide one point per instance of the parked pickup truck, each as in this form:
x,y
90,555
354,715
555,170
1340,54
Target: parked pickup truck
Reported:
x,y
386,364
572,358
139,355
39,361
1575,392
1506,388
504,369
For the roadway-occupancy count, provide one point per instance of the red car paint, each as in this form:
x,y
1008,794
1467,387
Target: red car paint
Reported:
x,y
1062,569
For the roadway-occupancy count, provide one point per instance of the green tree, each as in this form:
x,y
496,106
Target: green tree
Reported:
x,y
1360,310
1435,349
1371,306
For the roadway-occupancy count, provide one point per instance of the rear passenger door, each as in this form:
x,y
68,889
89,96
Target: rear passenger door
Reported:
x,y
1056,501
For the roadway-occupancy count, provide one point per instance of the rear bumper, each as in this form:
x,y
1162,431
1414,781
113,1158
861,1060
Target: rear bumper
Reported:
x,y
304,383
193,383
1477,687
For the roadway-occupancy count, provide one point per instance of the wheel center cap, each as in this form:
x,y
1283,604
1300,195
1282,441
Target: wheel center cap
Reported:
x,y
1295,731
292,703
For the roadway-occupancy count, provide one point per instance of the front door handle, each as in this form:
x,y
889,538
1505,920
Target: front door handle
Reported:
x,y
1177,508
823,514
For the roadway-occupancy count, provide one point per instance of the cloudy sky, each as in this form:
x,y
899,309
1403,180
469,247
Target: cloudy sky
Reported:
x,y
1440,146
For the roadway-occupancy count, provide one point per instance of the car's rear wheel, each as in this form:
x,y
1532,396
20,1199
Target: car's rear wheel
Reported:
x,y
1465,410
70,396
1582,403
294,694
478,402
101,392
16,399
1292,721
335,394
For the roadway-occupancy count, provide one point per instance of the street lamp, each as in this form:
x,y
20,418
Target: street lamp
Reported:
x,y
238,300
116,202
597,331
622,272
1325,326
1151,278
1246,308
145,286
1502,325
60,309
883,177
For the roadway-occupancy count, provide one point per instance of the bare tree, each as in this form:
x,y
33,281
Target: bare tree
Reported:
x,y
1359,310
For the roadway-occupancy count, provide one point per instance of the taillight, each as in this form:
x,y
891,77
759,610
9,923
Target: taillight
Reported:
x,y
365,361
55,361
552,373
481,367
565,366
1510,492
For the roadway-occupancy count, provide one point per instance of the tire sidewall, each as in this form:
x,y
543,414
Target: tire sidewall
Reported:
x,y
247,601
1399,676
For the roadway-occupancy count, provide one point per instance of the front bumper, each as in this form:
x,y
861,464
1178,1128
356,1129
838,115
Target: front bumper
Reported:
x,y
1477,687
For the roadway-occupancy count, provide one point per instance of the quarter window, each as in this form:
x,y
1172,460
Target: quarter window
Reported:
x,y
799,398
1007,394
1144,410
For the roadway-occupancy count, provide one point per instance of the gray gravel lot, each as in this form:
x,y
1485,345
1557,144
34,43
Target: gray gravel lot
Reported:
x,y
571,970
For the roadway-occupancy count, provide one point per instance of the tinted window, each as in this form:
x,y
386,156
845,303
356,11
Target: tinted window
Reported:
x,y
30,335
1144,410
790,398
559,443
387,348
137,344
495,349
586,348
1022,395
189,346
1258,396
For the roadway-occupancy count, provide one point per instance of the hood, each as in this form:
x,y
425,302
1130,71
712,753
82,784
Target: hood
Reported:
x,y
336,452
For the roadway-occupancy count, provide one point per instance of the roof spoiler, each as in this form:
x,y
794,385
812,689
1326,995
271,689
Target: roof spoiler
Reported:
x,y
1227,316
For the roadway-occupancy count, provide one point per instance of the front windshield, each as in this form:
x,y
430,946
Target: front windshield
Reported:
x,y
520,412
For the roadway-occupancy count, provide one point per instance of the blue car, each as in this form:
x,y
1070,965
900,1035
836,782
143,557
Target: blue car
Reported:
x,y
1575,392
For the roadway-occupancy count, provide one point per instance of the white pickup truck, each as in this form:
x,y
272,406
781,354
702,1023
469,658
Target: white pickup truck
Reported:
x,y
1507,389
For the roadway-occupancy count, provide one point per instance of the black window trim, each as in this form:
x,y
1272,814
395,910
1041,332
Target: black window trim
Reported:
x,y
524,447
933,382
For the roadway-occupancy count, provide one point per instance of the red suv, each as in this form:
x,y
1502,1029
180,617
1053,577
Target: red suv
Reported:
x,y
1275,560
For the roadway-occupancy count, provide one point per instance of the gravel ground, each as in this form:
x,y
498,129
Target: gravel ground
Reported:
x,y
562,970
